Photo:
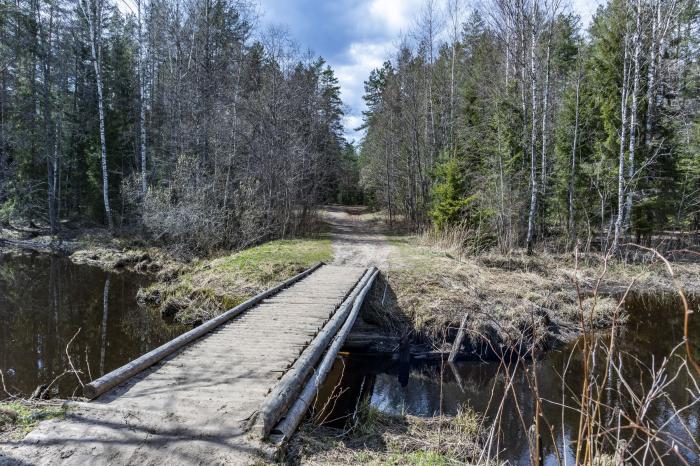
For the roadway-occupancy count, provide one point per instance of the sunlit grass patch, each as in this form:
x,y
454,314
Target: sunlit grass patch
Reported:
x,y
18,418
213,286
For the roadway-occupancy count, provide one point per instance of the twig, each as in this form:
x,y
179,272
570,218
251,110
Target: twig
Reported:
x,y
4,388
70,362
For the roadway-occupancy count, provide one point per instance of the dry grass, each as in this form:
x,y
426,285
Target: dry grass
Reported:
x,y
380,438
508,298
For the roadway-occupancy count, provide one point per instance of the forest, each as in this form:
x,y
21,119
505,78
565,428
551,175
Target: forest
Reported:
x,y
506,125
163,116
211,253
517,127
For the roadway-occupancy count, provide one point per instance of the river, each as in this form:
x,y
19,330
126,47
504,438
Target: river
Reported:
x,y
45,301
654,328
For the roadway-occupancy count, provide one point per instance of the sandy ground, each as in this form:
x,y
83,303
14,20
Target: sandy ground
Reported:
x,y
357,237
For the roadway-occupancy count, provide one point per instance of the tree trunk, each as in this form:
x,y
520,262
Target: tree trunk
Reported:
x,y
572,178
651,76
142,100
621,163
543,175
49,129
92,9
633,116
533,135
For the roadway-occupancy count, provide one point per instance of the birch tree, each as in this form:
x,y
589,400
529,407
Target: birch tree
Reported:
x,y
92,11
637,44
621,160
533,131
140,8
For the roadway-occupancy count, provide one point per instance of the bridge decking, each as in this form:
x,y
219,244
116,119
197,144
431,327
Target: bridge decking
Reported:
x,y
193,407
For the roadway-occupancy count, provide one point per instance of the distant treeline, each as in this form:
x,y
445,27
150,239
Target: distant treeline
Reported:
x,y
514,122
173,116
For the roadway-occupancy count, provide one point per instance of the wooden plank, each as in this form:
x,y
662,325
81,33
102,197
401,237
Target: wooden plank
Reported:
x,y
296,412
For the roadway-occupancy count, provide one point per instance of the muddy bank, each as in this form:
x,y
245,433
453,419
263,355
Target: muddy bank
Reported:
x,y
96,247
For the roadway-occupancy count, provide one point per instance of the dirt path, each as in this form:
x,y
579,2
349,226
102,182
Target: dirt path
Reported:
x,y
357,237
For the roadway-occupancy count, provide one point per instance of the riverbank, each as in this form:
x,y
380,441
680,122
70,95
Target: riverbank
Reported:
x,y
95,247
186,289
506,301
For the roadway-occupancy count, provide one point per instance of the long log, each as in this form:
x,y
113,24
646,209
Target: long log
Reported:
x,y
291,383
117,376
293,417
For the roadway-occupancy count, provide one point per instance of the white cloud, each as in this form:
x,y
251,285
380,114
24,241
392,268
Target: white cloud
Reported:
x,y
352,122
393,15
359,60
586,9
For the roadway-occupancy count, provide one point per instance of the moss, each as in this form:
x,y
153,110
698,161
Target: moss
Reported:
x,y
19,418
210,287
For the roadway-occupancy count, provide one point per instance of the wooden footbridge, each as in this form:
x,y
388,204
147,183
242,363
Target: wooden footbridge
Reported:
x,y
226,392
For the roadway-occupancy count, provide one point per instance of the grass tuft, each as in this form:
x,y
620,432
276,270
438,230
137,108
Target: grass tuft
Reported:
x,y
384,439
18,418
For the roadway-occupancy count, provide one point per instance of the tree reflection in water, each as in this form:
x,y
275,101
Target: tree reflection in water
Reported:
x,y
44,300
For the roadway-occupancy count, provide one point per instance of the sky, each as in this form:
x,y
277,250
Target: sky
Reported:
x,y
356,36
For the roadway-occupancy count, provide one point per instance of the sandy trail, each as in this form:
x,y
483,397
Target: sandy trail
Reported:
x,y
357,237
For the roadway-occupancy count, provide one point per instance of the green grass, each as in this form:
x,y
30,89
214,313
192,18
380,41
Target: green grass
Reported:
x,y
419,458
213,286
17,419
269,262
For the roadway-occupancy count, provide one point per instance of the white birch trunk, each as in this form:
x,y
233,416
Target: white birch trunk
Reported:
x,y
92,9
633,115
621,163
142,101
533,136
651,76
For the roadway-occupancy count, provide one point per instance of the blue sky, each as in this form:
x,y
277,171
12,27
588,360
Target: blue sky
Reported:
x,y
357,36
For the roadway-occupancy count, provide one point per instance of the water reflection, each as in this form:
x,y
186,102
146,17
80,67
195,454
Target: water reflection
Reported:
x,y
44,300
655,327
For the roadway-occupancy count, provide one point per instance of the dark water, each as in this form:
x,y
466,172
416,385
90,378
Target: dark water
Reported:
x,y
654,329
45,300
